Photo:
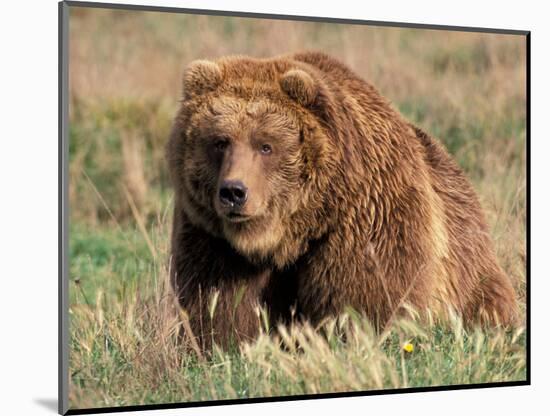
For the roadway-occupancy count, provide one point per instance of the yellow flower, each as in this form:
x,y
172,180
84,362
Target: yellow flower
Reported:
x,y
408,347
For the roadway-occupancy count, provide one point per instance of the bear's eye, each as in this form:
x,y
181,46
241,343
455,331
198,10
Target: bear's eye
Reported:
x,y
266,149
221,144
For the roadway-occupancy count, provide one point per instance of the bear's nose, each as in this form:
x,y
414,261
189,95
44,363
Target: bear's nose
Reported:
x,y
233,193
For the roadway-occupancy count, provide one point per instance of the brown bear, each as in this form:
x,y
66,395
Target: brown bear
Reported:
x,y
299,189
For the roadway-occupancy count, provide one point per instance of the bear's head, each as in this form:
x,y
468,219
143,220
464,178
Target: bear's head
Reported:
x,y
249,155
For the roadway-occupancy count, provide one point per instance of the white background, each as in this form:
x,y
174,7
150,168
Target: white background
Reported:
x,y
28,205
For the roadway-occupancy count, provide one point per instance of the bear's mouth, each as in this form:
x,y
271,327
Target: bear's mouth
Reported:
x,y
237,217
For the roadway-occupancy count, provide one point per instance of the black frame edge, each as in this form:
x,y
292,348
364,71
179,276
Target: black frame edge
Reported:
x,y
63,163
528,204
166,406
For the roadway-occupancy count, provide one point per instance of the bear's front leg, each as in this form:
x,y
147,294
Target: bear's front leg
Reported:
x,y
338,273
219,289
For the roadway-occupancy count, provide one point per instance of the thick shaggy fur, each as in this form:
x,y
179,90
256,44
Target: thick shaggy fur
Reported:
x,y
355,207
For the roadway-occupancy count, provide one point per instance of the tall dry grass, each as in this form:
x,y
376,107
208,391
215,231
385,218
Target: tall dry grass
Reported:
x,y
467,89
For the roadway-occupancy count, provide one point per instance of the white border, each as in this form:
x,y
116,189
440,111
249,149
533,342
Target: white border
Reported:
x,y
28,163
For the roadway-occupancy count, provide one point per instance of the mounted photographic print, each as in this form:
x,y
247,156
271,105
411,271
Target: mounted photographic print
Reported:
x,y
267,208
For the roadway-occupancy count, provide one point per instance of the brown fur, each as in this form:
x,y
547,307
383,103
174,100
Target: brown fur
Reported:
x,y
354,207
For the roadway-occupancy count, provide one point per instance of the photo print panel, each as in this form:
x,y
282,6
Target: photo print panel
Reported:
x,y
265,208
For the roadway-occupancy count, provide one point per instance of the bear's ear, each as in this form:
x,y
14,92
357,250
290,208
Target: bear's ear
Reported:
x,y
300,86
201,76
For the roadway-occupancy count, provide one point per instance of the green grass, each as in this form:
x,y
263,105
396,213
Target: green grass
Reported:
x,y
110,260
466,89
125,351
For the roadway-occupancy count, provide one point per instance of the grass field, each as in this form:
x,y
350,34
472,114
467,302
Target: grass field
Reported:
x,y
467,89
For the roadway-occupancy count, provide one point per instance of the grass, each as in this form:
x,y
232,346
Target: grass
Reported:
x,y
467,89
125,349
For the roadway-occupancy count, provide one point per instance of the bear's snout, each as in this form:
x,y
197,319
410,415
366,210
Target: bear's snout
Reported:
x,y
233,195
